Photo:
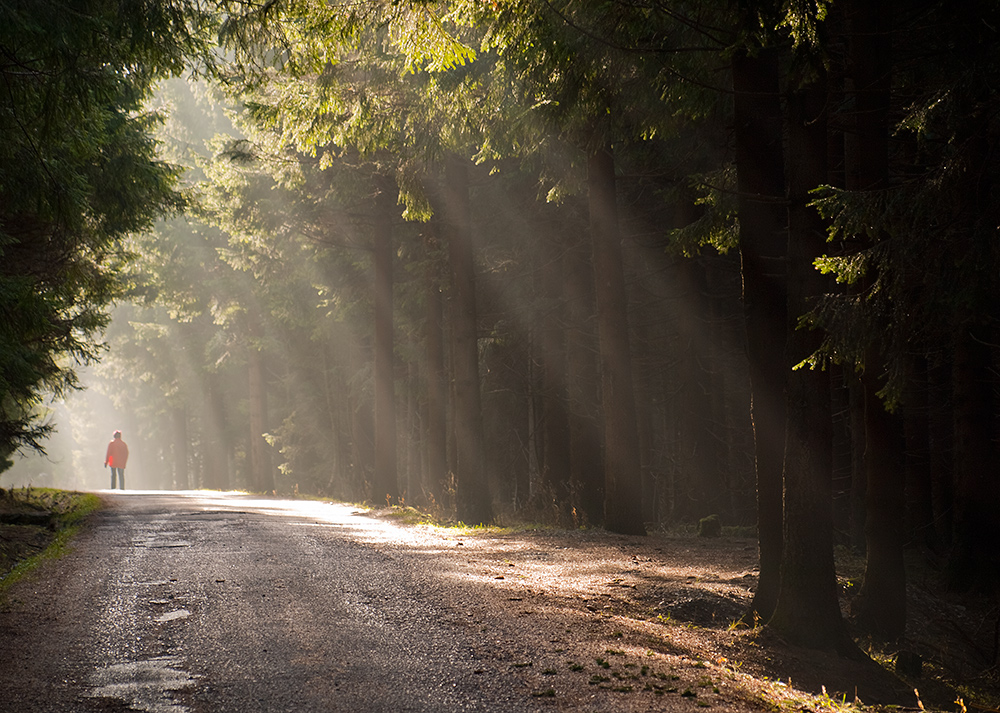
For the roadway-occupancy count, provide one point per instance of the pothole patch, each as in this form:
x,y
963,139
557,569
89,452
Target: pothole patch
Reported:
x,y
172,615
143,685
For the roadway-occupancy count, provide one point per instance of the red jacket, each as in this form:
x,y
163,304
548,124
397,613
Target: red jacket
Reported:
x,y
117,455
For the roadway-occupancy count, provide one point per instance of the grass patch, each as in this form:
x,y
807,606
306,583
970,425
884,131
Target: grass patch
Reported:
x,y
411,516
25,547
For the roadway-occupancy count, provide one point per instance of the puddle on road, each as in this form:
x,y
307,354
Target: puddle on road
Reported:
x,y
172,615
143,685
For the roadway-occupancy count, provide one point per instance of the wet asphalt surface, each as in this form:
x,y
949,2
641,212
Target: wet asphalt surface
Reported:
x,y
175,602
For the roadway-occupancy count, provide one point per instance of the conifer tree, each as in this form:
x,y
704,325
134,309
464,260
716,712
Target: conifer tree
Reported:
x,y
81,174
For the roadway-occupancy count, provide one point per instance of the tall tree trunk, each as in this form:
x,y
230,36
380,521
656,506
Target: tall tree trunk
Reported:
x,y
941,433
843,450
919,499
362,421
705,490
723,483
179,421
974,559
215,438
435,417
859,477
385,488
583,382
261,476
472,487
807,612
552,347
881,605
763,245
622,473
975,556
414,490
880,608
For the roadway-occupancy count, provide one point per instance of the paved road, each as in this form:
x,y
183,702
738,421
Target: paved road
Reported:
x,y
213,602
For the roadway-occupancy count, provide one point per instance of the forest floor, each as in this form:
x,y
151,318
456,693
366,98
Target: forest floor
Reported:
x,y
681,594
623,599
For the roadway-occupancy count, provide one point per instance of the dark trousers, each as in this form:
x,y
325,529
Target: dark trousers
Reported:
x,y
120,472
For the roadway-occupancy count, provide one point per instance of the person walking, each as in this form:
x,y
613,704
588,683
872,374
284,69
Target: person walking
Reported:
x,y
117,457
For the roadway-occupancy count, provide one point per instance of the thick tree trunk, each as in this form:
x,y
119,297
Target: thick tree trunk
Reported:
x,y
385,487
881,605
880,608
472,487
763,245
807,612
622,473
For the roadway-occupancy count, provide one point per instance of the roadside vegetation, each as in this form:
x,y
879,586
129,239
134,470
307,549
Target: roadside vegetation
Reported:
x,y
35,525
